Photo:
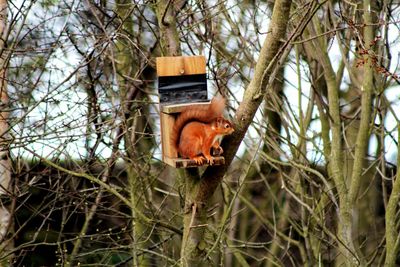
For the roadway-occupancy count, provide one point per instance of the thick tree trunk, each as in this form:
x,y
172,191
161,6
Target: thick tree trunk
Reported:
x,y
128,64
201,190
392,225
6,244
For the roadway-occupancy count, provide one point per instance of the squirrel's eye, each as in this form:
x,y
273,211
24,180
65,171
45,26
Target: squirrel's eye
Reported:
x,y
227,126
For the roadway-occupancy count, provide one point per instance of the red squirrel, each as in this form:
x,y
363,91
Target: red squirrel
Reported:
x,y
199,128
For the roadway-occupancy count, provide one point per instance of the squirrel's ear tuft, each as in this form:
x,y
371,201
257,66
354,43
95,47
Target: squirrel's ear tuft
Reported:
x,y
220,120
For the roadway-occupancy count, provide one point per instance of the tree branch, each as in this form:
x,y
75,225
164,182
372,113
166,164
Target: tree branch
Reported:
x,y
247,109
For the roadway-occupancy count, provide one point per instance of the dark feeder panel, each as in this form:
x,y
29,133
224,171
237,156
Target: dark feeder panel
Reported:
x,y
182,82
182,89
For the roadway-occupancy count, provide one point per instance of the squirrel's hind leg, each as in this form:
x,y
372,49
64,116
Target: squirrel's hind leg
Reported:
x,y
190,147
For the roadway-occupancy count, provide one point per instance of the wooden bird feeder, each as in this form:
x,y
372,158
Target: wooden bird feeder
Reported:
x,y
182,82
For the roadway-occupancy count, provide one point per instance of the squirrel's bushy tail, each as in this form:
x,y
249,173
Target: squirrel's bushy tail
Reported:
x,y
204,114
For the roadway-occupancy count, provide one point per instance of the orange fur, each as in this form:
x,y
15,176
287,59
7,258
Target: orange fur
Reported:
x,y
197,129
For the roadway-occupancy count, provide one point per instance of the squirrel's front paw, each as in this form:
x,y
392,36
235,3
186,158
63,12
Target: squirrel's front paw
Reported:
x,y
217,151
210,160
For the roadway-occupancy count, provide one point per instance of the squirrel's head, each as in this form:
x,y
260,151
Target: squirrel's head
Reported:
x,y
223,126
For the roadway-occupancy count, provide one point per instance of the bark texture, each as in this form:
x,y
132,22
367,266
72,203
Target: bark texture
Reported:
x,y
201,190
6,243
